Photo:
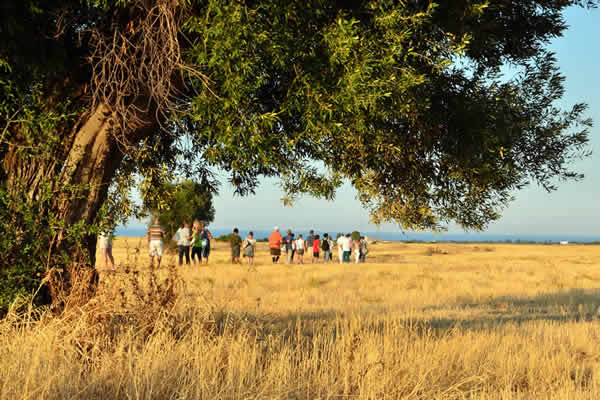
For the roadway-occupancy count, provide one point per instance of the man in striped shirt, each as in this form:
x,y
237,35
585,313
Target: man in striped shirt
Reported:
x,y
155,235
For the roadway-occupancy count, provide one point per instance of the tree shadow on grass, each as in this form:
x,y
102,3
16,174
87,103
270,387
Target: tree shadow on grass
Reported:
x,y
561,306
576,305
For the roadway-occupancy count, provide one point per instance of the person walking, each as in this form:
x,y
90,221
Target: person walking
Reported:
x,y
300,245
235,242
356,249
196,243
331,247
249,248
275,241
205,238
364,249
346,248
325,246
289,246
315,249
182,236
105,242
309,242
340,246
155,236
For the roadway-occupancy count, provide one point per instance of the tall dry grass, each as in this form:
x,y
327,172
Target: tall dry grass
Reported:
x,y
416,322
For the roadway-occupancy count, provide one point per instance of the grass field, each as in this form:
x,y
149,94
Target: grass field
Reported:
x,y
417,321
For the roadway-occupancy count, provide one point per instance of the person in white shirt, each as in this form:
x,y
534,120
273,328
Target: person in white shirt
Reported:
x,y
346,248
182,236
340,241
105,243
300,246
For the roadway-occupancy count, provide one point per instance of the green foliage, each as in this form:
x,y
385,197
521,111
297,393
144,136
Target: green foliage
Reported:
x,y
186,201
225,238
29,247
403,101
355,235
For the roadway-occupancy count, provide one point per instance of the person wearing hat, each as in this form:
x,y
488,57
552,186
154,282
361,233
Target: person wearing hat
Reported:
x,y
275,240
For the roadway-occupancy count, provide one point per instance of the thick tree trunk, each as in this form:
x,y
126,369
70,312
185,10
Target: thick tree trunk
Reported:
x,y
87,166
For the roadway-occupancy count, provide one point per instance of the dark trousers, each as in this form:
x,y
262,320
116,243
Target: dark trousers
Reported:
x,y
197,252
184,250
346,256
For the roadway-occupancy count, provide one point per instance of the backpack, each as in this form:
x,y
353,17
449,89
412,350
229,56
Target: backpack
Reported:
x,y
249,249
325,245
203,239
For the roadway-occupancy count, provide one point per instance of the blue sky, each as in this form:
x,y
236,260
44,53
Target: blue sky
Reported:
x,y
572,209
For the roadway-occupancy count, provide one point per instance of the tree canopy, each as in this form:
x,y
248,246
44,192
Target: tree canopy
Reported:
x,y
187,201
404,99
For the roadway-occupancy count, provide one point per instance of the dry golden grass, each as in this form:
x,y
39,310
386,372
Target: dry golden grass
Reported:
x,y
418,321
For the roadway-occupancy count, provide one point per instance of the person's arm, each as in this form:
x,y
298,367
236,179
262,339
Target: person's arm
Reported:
x,y
210,236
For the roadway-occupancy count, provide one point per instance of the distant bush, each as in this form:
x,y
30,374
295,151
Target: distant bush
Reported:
x,y
224,238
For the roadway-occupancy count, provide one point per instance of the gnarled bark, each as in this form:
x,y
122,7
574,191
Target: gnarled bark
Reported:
x,y
80,172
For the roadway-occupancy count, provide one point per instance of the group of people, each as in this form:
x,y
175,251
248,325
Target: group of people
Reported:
x,y
193,245
316,247
195,241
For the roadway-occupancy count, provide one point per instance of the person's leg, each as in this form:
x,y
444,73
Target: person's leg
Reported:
x,y
341,255
105,254
356,256
186,252
110,258
180,253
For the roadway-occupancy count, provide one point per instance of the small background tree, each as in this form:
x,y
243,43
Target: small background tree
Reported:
x,y
185,201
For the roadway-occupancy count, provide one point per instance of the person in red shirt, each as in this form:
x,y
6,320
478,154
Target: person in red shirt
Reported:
x,y
275,240
316,244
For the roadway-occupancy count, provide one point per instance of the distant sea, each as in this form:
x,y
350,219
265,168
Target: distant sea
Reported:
x,y
406,236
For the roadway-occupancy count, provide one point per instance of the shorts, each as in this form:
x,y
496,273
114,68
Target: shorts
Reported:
x,y
104,243
300,251
156,248
315,254
205,252
275,251
235,252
